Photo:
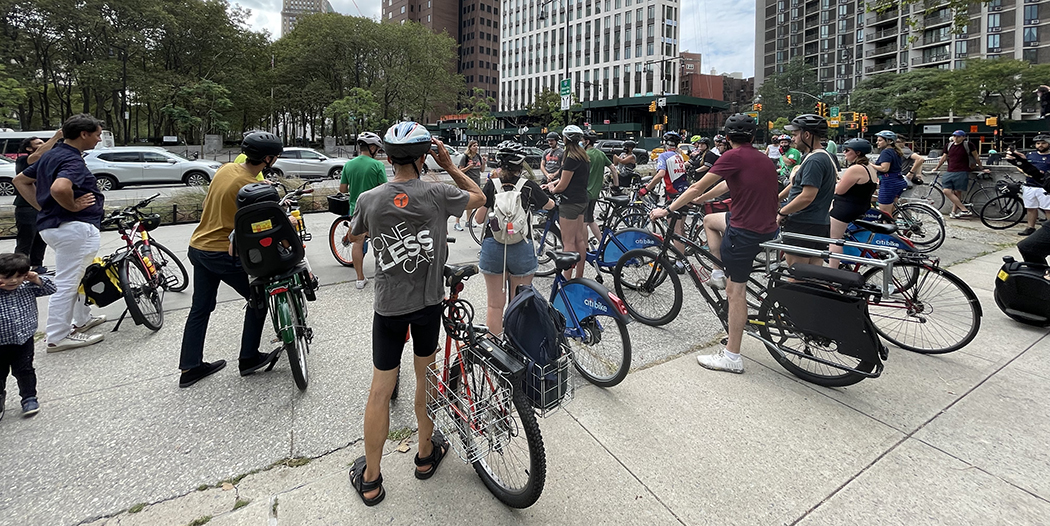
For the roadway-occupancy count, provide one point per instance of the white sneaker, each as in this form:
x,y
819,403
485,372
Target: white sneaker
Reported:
x,y
721,362
361,283
95,321
458,227
74,340
718,279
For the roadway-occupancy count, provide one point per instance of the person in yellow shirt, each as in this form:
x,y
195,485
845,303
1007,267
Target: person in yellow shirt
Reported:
x,y
241,159
213,264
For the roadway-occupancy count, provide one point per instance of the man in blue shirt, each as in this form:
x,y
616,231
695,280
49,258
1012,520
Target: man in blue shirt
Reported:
x,y
1035,198
70,203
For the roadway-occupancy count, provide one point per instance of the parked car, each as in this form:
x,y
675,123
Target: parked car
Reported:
x,y
533,158
7,175
130,165
431,162
307,164
613,147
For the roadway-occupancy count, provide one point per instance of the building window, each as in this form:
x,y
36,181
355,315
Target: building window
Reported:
x,y
994,21
993,43
1031,14
1031,35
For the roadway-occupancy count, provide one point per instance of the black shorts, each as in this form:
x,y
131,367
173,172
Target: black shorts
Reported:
x,y
739,248
390,333
588,215
809,229
848,211
571,211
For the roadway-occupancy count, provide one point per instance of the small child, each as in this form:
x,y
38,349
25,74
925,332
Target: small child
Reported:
x,y
19,288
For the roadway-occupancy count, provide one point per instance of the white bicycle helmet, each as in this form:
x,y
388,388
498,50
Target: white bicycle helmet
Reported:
x,y
406,141
573,133
370,139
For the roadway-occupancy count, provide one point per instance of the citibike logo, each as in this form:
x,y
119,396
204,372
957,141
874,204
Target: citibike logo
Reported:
x,y
595,305
645,242
887,242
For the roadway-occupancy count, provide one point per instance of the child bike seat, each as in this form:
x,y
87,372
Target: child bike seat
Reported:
x,y
848,280
266,241
564,260
878,228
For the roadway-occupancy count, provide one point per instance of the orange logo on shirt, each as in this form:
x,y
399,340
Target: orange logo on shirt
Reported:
x,y
401,200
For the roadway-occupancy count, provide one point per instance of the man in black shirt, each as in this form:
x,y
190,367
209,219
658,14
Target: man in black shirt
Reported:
x,y
28,240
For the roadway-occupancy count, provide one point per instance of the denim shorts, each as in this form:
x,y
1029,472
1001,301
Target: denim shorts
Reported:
x,y
521,258
890,188
955,180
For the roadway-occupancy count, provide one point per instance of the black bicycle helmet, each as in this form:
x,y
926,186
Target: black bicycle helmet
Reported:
x,y
511,153
629,145
590,135
809,122
740,124
1041,137
256,193
406,141
553,136
861,146
707,141
259,145
672,138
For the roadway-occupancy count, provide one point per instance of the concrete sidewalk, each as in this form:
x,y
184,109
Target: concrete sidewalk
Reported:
x,y
953,439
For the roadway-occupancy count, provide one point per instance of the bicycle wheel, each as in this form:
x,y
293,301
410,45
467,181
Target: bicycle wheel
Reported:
x,y
649,287
515,468
294,335
777,328
929,193
600,344
546,242
921,224
339,241
929,310
143,298
477,230
1002,212
176,279
980,196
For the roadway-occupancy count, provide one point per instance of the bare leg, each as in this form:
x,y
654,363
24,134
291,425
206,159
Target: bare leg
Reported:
x,y
838,229
714,225
1033,216
955,196
736,295
357,254
377,422
426,425
496,301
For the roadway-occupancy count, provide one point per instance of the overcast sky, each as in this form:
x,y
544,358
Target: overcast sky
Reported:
x,y
723,31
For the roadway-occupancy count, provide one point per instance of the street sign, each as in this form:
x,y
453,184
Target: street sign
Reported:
x,y
931,128
834,111
566,87
753,114
661,102
833,123
606,121
830,93
566,101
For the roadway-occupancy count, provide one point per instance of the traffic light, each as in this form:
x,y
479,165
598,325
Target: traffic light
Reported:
x,y
652,107
848,116
864,120
789,99
758,107
991,121
665,119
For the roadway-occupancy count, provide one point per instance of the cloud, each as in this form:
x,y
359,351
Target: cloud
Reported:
x,y
723,31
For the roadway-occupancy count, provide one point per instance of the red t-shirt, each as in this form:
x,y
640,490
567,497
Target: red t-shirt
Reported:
x,y
752,181
957,156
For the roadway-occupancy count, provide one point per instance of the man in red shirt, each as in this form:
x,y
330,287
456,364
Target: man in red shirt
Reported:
x,y
734,236
962,157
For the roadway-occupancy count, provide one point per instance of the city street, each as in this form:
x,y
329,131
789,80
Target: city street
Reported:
x,y
673,444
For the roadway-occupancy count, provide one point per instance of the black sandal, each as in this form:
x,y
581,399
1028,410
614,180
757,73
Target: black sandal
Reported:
x,y
434,458
357,480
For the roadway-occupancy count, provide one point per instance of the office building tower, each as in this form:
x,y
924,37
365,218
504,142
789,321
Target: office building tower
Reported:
x,y
293,9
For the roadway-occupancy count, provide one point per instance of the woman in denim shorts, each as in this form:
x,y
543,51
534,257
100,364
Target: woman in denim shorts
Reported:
x,y
500,263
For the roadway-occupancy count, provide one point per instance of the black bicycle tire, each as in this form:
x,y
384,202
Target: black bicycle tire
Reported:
x,y
544,263
980,196
1003,202
300,348
475,229
537,472
625,357
771,322
932,217
625,291
166,253
132,293
927,192
332,245
878,319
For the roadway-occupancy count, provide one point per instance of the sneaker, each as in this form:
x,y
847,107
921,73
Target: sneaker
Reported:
x,y
361,283
95,321
679,267
458,227
30,407
966,213
202,371
44,271
1026,232
918,181
74,340
721,362
718,279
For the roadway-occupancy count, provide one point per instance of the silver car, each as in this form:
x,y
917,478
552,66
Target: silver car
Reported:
x,y
7,174
305,163
131,165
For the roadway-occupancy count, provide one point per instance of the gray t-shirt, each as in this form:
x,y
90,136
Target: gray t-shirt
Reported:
x,y
817,170
407,225
552,161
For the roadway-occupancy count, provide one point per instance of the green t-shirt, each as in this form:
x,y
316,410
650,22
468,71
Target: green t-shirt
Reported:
x,y
361,174
832,148
598,163
789,160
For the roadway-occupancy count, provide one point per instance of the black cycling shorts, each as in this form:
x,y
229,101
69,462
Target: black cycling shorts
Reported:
x,y
389,335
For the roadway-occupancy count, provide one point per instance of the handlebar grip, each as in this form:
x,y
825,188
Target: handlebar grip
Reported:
x,y
305,191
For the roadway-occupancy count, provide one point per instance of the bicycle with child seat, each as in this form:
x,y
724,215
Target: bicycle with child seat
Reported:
x,y
978,192
476,398
145,268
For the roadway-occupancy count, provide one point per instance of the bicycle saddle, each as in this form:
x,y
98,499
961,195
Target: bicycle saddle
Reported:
x,y
564,260
619,200
878,228
457,273
845,278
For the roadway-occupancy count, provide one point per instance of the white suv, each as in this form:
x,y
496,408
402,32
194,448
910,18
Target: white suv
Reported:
x,y
131,165
305,163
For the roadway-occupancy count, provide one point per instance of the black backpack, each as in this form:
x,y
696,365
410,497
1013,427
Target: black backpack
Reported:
x,y
537,331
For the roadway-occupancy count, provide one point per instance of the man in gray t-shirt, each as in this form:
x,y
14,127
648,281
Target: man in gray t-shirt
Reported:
x,y
812,188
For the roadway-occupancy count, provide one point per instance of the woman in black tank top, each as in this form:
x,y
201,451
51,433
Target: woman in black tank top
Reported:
x,y
853,191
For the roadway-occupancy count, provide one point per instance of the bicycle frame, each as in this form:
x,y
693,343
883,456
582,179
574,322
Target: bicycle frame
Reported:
x,y
286,305
581,302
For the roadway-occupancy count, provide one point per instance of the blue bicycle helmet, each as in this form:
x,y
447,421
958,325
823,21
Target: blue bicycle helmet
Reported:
x,y
861,146
888,135
406,141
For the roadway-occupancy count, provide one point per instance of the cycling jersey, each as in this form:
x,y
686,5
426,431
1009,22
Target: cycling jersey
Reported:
x,y
1042,162
673,165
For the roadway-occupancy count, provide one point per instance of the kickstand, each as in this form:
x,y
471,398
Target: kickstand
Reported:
x,y
121,320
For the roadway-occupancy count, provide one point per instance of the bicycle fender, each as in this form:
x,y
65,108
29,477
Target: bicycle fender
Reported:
x,y
587,298
629,238
283,317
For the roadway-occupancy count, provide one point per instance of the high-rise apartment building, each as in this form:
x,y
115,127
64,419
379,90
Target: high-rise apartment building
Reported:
x,y
845,43
473,24
608,48
295,8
